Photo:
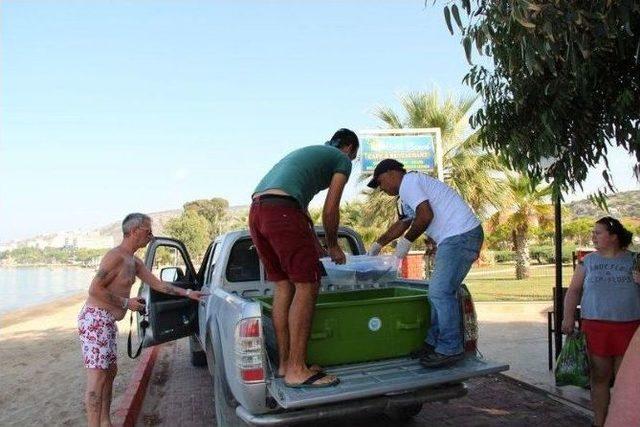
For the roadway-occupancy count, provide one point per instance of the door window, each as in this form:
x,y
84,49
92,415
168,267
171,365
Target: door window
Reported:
x,y
169,264
243,265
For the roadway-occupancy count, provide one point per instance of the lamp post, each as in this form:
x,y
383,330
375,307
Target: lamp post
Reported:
x,y
548,164
558,303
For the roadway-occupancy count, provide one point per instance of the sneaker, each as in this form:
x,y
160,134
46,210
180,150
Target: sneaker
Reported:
x,y
423,351
437,360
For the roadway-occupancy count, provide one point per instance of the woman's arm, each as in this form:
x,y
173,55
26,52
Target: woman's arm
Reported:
x,y
571,300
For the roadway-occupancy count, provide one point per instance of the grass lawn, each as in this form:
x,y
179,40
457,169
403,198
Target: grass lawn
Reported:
x,y
498,283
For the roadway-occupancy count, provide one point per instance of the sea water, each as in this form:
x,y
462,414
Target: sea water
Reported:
x,y
22,287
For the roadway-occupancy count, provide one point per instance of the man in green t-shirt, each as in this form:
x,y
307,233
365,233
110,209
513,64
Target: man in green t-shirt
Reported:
x,y
283,234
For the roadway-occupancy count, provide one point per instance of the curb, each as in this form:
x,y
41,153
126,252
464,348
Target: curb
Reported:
x,y
130,404
579,406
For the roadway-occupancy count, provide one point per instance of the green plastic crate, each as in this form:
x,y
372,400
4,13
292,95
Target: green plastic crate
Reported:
x,y
363,325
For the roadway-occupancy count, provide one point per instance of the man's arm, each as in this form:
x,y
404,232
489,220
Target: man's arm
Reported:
x,y
424,216
166,288
108,270
331,216
396,230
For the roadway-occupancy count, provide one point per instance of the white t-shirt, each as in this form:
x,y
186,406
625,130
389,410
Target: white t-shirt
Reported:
x,y
451,214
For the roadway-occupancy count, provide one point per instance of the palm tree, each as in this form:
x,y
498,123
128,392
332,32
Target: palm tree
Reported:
x,y
473,172
531,206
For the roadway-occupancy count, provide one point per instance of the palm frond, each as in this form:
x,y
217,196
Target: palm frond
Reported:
x,y
473,172
388,116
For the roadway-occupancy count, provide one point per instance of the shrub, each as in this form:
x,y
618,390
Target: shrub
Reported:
x,y
504,256
542,254
546,254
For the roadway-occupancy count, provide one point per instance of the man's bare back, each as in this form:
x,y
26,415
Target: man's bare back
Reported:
x,y
117,273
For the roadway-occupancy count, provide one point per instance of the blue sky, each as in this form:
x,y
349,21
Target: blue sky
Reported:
x,y
113,107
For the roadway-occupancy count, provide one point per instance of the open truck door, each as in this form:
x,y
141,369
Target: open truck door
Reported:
x,y
169,317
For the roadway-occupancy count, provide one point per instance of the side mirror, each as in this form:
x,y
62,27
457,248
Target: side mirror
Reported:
x,y
171,274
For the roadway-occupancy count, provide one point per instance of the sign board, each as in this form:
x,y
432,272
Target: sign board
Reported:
x,y
417,149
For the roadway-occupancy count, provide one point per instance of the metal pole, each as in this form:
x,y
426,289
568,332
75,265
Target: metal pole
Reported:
x,y
558,303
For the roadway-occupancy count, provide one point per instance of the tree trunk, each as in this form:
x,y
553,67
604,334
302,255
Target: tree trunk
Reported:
x,y
522,255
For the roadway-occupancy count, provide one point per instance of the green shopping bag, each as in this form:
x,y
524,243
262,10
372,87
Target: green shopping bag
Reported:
x,y
572,366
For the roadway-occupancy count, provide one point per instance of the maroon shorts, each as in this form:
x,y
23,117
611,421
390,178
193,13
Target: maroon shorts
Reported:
x,y
607,339
285,240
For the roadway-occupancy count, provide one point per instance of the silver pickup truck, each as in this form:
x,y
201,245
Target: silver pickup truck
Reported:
x,y
227,333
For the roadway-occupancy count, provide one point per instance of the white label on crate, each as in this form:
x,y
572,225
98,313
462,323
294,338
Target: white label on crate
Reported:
x,y
375,324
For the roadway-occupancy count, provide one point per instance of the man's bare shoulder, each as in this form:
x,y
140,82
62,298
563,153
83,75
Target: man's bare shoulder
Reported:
x,y
110,260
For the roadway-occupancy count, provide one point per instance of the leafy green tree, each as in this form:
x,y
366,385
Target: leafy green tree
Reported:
x,y
563,82
543,233
193,230
579,230
236,221
498,235
473,172
86,255
165,256
530,207
215,211
27,255
57,255
360,216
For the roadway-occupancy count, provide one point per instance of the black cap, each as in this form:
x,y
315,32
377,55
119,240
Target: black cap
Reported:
x,y
385,165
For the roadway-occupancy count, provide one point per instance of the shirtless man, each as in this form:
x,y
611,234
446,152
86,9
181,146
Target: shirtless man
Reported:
x,y
108,302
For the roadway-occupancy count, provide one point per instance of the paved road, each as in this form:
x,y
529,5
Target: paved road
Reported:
x,y
181,395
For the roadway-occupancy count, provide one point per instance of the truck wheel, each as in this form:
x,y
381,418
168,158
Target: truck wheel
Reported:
x,y
403,413
198,356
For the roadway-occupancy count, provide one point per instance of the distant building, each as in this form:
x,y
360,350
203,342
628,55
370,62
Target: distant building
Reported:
x,y
93,240
70,240
105,237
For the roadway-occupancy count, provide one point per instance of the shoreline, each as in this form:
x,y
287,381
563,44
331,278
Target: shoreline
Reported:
x,y
19,315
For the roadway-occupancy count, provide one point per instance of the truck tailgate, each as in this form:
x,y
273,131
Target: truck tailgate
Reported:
x,y
385,377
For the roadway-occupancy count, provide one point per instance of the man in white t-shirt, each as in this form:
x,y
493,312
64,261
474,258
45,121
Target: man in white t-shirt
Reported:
x,y
430,207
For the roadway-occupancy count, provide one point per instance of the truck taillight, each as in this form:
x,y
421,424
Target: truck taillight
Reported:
x,y
249,358
470,324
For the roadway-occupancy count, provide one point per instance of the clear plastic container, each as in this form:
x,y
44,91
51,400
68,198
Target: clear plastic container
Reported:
x,y
362,270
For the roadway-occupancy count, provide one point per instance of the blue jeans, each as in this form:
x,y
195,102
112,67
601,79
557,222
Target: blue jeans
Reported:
x,y
454,258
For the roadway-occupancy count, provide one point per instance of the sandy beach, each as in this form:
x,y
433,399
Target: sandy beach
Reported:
x,y
42,376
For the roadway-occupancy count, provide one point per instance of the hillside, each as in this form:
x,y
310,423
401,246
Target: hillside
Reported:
x,y
623,204
159,221
105,236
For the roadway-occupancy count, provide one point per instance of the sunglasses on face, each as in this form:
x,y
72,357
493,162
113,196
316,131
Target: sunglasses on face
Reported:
x,y
148,230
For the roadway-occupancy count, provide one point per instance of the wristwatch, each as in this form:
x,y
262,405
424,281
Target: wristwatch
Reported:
x,y
188,292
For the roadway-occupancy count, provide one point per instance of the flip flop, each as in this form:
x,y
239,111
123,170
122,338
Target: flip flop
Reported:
x,y
313,368
311,382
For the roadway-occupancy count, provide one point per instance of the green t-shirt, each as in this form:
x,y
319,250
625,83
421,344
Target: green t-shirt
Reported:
x,y
305,172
